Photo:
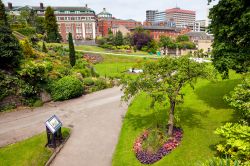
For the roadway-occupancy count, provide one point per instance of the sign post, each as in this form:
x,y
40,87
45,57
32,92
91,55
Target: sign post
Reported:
x,y
53,130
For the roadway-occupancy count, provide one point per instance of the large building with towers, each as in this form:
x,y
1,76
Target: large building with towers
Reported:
x,y
80,21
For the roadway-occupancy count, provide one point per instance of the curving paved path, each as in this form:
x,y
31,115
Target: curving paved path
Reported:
x,y
95,120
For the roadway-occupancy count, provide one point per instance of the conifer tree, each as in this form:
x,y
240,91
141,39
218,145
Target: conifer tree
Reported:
x,y
72,57
44,49
118,41
51,26
10,50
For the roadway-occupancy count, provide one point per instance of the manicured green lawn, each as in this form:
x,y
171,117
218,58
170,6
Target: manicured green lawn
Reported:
x,y
202,112
89,48
117,65
28,152
113,69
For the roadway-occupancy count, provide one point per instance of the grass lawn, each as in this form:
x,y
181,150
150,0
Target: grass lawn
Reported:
x,y
90,48
116,65
28,152
202,112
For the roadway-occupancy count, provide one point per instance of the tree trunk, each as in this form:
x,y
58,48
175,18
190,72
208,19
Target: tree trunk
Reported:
x,y
165,50
171,118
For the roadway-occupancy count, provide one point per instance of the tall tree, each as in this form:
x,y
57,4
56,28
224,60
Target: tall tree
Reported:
x,y
163,81
140,38
53,35
230,25
110,37
40,25
72,56
10,50
118,40
44,48
3,16
31,18
165,42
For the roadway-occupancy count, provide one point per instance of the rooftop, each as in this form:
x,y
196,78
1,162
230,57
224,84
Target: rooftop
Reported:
x,y
179,10
105,13
200,35
56,8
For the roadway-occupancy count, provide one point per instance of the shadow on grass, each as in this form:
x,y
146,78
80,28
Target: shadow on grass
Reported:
x,y
191,118
188,117
147,121
213,93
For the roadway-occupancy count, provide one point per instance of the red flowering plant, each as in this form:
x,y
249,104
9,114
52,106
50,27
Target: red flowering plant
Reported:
x,y
149,155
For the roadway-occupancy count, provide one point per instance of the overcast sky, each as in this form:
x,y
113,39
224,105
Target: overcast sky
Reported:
x,y
124,9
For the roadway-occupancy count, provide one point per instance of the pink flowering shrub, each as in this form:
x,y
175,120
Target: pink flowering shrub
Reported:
x,y
146,157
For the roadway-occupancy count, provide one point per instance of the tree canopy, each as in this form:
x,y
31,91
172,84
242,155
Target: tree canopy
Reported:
x,y
163,81
140,38
230,25
182,38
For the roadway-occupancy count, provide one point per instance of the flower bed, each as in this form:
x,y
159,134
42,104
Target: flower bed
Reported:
x,y
148,158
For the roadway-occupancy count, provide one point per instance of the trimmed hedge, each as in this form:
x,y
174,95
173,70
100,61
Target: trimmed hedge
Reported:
x,y
66,88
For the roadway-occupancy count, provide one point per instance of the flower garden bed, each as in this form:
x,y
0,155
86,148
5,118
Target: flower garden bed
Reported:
x,y
146,157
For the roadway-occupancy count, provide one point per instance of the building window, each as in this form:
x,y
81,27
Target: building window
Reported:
x,y
78,30
68,28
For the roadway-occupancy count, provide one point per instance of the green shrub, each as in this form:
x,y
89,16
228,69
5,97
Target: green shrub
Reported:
x,y
239,99
84,72
237,141
66,88
26,90
80,64
81,67
7,107
88,82
34,72
221,162
37,103
27,31
7,85
63,71
27,49
101,84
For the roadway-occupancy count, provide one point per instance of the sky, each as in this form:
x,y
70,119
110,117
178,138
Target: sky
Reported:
x,y
125,9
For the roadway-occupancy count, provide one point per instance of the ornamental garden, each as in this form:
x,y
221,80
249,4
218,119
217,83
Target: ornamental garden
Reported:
x,y
181,112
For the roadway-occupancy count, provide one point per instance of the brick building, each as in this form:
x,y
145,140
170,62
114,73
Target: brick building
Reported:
x,y
182,18
157,31
106,22
80,21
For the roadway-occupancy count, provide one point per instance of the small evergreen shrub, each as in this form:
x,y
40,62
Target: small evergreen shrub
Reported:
x,y
88,82
66,88
101,84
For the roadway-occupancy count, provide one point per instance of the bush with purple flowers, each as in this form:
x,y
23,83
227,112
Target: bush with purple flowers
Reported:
x,y
147,157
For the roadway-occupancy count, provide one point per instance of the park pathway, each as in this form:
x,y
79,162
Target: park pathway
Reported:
x,y
95,120
120,54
